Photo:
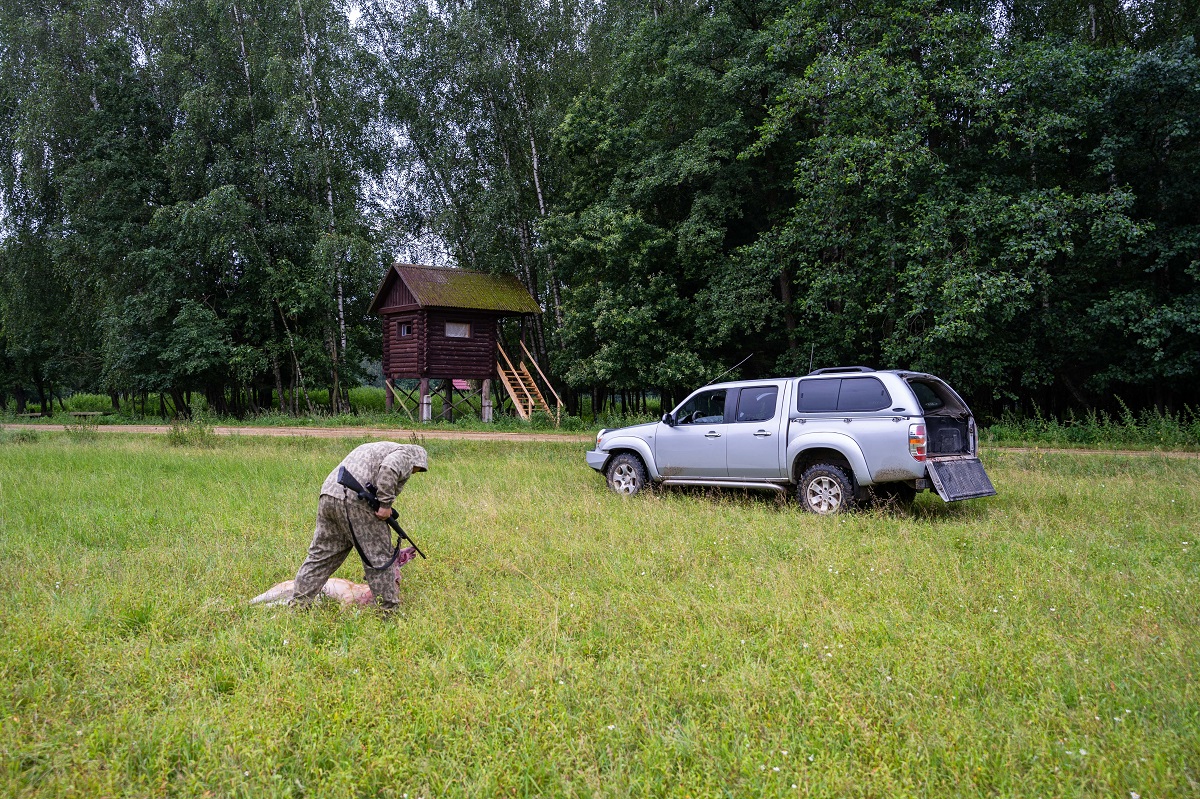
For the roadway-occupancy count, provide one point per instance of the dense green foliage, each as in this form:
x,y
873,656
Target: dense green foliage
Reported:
x,y
200,197
183,193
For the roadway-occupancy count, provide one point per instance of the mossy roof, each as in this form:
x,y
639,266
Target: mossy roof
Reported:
x,y
445,287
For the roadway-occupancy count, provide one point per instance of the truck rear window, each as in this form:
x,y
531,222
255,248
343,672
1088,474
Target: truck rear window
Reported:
x,y
842,394
927,396
816,396
863,394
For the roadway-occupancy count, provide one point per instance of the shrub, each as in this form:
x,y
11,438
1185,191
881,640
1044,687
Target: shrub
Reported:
x,y
89,403
194,432
19,437
367,399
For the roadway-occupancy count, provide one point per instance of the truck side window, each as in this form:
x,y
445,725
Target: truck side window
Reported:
x,y
757,403
863,394
816,396
707,407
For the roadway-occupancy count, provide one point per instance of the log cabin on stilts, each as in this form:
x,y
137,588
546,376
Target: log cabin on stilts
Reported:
x,y
442,324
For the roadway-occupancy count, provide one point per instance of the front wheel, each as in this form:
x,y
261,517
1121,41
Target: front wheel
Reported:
x,y
626,474
825,489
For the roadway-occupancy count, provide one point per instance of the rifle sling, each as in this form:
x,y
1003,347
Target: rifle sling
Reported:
x,y
359,549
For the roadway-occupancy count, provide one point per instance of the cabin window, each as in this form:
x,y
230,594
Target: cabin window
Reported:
x,y
404,329
707,407
458,330
757,403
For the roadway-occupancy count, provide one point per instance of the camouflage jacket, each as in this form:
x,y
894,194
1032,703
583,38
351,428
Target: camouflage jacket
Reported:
x,y
383,463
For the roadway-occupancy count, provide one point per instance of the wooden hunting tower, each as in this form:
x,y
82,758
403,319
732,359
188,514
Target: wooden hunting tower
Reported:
x,y
442,323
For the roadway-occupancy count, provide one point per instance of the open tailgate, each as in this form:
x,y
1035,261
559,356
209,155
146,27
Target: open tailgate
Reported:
x,y
959,478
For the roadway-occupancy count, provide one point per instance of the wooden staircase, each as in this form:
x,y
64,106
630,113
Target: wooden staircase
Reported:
x,y
523,388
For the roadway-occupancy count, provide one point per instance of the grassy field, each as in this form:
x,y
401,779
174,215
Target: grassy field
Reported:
x,y
561,641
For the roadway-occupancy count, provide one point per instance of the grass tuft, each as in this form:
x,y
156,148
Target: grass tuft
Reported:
x,y
194,432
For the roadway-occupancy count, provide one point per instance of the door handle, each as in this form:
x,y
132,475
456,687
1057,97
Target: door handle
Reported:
x,y
761,433
712,434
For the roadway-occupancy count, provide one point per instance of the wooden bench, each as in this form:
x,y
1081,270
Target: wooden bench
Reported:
x,y
29,416
86,414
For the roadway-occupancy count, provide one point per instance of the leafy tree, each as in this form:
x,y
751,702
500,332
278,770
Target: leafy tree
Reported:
x,y
658,199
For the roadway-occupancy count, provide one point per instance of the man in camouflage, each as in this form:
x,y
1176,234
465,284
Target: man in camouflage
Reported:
x,y
339,511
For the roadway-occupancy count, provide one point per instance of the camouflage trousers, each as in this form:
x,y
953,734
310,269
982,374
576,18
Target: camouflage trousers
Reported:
x,y
332,543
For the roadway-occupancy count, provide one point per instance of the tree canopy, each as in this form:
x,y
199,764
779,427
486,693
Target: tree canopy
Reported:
x,y
202,197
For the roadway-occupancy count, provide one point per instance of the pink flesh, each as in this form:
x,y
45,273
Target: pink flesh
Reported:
x,y
344,591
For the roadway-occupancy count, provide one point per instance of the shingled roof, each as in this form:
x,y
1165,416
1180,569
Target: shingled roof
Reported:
x,y
442,287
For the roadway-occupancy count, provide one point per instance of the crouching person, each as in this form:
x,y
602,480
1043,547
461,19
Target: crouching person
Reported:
x,y
342,518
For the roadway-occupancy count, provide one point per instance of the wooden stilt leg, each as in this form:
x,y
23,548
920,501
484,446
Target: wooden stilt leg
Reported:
x,y
426,405
486,402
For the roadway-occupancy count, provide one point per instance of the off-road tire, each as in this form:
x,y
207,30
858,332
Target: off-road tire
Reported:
x,y
825,489
626,474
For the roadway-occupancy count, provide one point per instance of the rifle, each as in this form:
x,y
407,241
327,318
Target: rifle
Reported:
x,y
368,495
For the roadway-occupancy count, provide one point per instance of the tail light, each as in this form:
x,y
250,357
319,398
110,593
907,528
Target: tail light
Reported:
x,y
973,435
917,442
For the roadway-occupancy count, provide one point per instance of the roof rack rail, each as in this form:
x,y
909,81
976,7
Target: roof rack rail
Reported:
x,y
836,369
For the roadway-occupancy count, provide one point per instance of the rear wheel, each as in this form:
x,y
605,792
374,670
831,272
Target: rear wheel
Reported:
x,y
626,474
825,489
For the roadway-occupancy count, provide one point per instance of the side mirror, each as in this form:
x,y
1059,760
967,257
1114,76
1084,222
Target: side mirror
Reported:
x,y
668,420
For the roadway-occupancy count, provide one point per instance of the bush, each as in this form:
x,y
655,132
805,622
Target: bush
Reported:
x,y
194,432
89,403
19,437
367,399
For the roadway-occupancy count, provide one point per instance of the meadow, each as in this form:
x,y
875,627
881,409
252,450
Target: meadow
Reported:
x,y
563,641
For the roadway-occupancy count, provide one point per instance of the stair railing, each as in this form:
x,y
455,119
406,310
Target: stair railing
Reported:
x,y
528,397
557,399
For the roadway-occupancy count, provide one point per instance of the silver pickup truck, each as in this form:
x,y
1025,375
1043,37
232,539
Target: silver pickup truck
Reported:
x,y
838,436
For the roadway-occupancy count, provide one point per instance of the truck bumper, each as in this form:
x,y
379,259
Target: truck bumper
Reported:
x,y
596,459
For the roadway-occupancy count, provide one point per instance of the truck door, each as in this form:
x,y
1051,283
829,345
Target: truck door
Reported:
x,y
754,441
695,446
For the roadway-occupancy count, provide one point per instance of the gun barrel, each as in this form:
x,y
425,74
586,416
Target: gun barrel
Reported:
x,y
403,536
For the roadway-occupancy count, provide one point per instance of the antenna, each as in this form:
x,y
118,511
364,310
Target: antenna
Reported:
x,y
730,369
811,352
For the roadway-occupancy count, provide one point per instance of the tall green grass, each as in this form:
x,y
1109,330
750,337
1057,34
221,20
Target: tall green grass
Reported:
x,y
1150,428
562,641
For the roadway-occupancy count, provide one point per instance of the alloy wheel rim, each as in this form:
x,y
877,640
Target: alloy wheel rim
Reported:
x,y
624,479
824,495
